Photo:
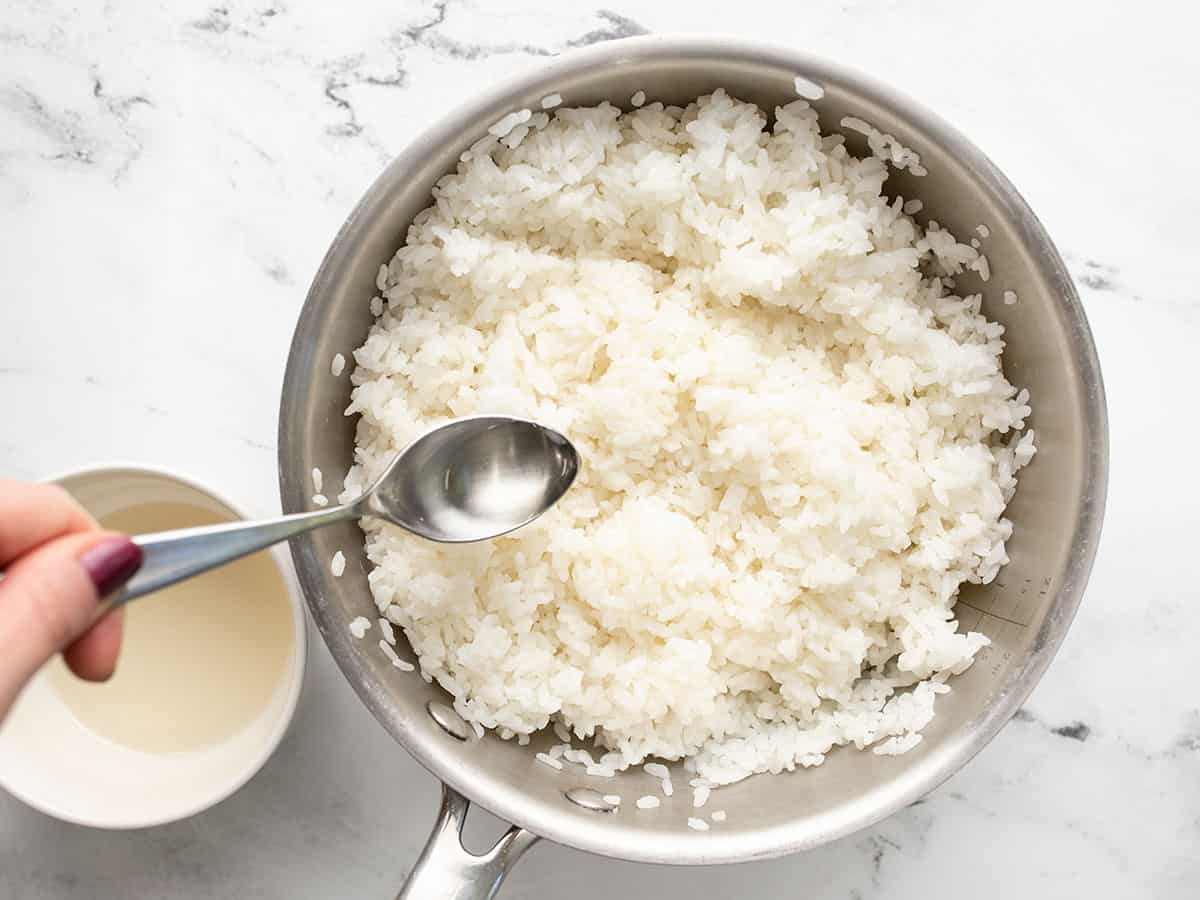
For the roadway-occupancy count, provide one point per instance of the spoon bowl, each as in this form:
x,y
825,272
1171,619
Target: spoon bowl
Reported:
x,y
474,479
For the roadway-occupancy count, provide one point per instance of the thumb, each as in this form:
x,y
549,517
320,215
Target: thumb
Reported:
x,y
48,598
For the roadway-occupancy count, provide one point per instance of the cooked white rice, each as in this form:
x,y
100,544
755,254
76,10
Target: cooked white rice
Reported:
x,y
390,653
656,770
885,146
337,365
389,634
509,122
549,760
581,757
809,90
797,441
360,626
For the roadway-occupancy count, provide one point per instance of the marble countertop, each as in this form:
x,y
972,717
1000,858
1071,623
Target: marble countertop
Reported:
x,y
172,173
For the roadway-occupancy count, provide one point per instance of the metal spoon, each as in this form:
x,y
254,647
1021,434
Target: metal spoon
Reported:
x,y
469,480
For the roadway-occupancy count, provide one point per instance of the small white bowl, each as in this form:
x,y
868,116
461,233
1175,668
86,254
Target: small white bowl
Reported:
x,y
55,764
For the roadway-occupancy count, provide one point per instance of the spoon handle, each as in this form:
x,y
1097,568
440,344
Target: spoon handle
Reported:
x,y
171,556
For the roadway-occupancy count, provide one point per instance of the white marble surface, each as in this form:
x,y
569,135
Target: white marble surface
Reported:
x,y
170,176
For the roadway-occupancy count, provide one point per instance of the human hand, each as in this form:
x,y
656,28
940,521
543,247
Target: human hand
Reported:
x,y
57,564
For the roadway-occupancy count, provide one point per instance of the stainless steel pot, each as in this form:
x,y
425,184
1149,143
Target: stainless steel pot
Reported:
x,y
1026,612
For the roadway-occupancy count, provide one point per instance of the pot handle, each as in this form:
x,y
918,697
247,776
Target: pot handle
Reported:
x,y
446,870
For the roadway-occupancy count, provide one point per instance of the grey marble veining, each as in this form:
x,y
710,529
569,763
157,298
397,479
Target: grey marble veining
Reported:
x,y
170,176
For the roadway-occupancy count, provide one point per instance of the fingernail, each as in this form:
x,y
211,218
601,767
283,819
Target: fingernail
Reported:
x,y
111,563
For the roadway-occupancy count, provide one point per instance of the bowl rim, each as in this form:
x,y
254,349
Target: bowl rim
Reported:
x,y
957,749
295,675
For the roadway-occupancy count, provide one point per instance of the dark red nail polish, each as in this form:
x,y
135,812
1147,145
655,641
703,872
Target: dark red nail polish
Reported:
x,y
111,562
